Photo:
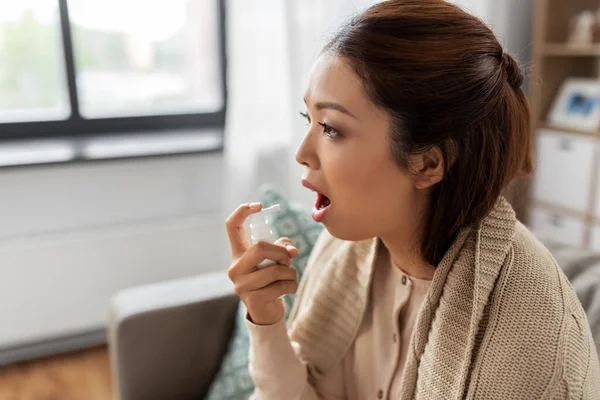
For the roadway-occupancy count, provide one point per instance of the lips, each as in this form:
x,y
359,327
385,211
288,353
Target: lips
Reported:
x,y
321,198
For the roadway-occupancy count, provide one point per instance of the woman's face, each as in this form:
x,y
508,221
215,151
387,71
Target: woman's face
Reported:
x,y
347,156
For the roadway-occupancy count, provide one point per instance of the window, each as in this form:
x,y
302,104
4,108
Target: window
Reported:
x,y
33,84
159,64
80,67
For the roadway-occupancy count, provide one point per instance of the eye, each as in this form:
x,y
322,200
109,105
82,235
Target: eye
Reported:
x,y
329,131
305,115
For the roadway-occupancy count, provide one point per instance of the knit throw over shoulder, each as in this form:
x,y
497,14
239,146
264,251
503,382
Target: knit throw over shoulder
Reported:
x,y
451,323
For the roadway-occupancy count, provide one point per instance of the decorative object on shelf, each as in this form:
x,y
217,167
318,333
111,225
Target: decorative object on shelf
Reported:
x,y
596,28
577,105
581,28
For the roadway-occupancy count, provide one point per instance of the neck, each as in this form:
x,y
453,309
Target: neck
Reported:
x,y
405,247
409,259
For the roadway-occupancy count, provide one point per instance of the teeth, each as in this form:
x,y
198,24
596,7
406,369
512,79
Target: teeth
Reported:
x,y
325,202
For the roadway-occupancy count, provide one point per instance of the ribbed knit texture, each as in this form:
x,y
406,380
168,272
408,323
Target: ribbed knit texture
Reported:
x,y
500,321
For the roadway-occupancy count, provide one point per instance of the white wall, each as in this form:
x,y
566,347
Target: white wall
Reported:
x,y
74,234
479,8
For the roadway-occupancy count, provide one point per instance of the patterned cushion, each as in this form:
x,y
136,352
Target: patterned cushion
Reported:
x,y
233,381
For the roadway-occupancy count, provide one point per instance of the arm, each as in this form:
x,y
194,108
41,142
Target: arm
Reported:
x,y
270,347
261,291
278,373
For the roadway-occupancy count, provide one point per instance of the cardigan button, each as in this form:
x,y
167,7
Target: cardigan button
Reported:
x,y
395,338
404,280
380,394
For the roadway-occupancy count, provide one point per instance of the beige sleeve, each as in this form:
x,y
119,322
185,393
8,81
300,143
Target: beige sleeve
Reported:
x,y
277,371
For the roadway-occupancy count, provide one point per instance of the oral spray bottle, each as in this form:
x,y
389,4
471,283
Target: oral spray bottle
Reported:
x,y
260,231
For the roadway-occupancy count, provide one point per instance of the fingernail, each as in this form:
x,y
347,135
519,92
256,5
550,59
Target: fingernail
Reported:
x,y
289,246
254,205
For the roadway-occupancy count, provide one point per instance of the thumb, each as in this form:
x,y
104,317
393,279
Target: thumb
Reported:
x,y
289,245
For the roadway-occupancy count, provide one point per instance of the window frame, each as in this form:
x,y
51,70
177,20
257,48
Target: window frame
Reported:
x,y
77,126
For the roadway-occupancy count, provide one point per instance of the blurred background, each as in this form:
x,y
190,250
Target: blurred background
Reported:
x,y
130,130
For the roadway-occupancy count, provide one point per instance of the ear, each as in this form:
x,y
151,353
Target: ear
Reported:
x,y
428,168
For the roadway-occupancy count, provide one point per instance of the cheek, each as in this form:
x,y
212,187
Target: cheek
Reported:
x,y
351,179
370,184
384,192
369,195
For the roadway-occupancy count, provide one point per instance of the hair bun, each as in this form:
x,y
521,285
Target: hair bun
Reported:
x,y
513,72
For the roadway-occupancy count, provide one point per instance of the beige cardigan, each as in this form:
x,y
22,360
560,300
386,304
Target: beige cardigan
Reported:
x,y
500,321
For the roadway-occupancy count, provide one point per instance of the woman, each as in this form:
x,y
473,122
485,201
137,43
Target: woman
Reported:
x,y
424,284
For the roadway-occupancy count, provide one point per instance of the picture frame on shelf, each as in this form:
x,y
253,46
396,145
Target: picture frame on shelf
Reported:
x,y
576,105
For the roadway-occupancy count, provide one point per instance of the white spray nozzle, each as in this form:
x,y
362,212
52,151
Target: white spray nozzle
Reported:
x,y
260,218
272,209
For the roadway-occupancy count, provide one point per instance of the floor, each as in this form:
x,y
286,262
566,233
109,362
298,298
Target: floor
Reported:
x,y
78,376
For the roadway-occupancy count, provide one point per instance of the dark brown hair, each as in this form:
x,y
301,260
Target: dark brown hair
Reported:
x,y
446,81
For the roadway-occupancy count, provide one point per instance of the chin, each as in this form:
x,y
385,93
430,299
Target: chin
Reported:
x,y
346,233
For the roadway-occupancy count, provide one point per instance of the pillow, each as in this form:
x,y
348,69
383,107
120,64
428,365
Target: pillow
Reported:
x,y
233,381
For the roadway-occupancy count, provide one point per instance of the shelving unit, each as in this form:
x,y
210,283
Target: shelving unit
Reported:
x,y
569,50
544,125
564,195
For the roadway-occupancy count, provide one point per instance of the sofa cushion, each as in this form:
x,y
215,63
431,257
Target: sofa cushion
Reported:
x,y
233,381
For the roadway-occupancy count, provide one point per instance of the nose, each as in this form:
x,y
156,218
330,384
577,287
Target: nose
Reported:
x,y
306,154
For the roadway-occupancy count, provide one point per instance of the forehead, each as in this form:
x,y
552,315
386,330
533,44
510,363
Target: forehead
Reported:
x,y
332,79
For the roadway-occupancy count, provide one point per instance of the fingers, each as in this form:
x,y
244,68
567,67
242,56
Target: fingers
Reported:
x,y
235,228
272,292
255,254
264,277
287,243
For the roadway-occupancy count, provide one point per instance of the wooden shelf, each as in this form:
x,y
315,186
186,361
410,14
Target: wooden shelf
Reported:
x,y
570,50
564,210
544,125
590,218
553,61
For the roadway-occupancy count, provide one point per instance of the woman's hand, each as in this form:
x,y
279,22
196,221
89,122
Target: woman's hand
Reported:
x,y
260,289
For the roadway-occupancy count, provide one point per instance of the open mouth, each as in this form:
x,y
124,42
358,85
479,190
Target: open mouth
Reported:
x,y
322,204
322,201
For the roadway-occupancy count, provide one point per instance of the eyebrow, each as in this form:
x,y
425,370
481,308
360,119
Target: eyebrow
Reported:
x,y
321,105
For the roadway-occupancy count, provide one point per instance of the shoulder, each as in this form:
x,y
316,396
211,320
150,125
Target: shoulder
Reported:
x,y
539,280
534,267
537,303
528,250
